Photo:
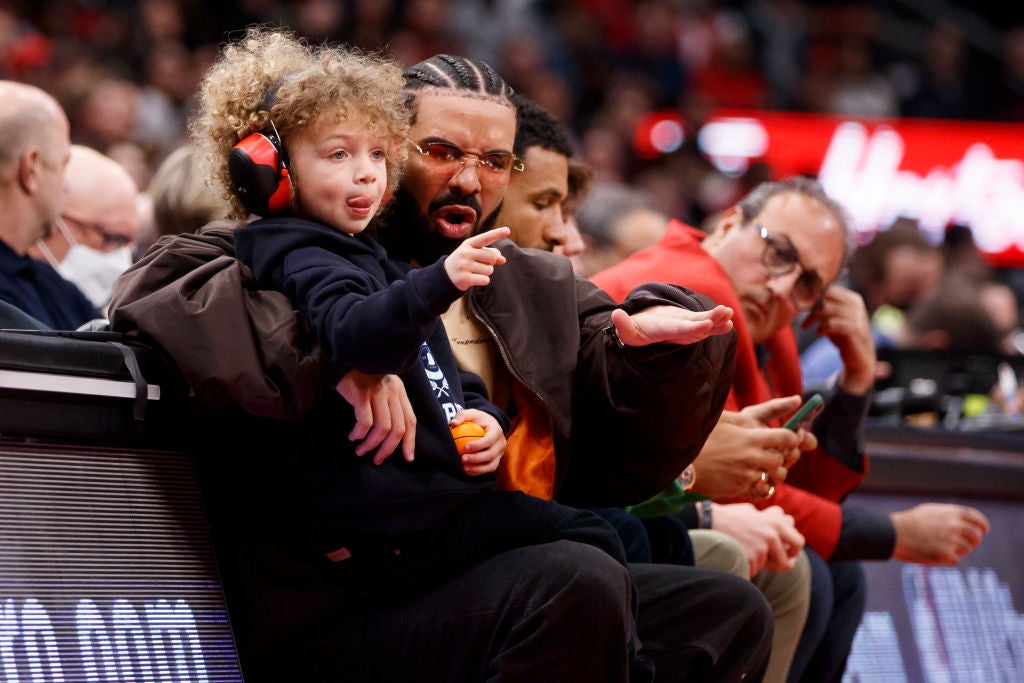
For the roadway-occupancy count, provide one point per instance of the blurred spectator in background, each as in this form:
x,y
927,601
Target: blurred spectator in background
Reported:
x,y
968,280
954,319
961,254
182,201
938,82
1010,95
729,76
101,105
540,71
580,180
965,261
701,190
608,139
898,267
1003,307
423,30
633,42
320,20
780,34
842,75
485,28
371,22
94,238
23,49
134,159
606,150
164,99
615,220
962,332
34,148
856,87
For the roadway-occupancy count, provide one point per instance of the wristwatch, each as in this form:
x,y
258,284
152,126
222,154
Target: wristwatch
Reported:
x,y
704,514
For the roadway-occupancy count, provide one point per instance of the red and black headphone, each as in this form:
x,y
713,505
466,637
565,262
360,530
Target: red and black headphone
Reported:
x,y
258,167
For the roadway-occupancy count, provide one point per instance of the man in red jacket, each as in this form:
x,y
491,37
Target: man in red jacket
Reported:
x,y
771,257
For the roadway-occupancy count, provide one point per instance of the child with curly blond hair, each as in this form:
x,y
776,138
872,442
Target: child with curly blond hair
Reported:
x,y
390,526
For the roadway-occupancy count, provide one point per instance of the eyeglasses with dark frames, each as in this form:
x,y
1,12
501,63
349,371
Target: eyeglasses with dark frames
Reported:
x,y
109,240
447,158
781,258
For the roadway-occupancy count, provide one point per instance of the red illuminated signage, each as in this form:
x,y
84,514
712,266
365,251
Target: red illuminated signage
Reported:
x,y
938,172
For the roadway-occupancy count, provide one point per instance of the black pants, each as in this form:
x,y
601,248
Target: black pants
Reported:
x,y
558,611
701,624
731,624
398,567
395,570
552,612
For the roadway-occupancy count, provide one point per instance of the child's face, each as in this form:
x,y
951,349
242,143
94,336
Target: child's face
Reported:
x,y
341,172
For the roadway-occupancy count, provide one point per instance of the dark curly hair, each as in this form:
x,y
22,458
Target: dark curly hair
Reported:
x,y
537,127
308,84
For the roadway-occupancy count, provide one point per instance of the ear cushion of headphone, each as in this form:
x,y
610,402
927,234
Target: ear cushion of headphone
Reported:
x,y
258,176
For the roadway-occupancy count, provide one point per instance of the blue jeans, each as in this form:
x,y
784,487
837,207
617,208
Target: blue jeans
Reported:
x,y
838,592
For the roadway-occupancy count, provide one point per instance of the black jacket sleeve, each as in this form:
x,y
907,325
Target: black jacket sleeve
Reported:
x,y
641,414
866,534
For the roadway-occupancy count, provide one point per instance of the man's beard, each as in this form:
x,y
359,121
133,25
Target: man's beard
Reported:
x,y
404,232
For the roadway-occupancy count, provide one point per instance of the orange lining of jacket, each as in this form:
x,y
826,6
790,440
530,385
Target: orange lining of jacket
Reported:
x,y
529,461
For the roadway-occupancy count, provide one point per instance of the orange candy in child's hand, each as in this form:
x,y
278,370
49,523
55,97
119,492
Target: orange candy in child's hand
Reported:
x,y
466,432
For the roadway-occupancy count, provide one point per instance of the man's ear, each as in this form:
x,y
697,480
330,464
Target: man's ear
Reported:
x,y
28,169
731,218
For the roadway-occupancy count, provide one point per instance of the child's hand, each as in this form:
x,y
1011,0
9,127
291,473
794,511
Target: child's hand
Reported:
x,y
484,454
473,261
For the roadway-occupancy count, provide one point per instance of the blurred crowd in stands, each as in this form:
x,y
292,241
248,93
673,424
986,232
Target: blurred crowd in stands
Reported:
x,y
126,73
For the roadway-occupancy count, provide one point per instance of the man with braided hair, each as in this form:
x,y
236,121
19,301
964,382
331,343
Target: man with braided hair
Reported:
x,y
555,611
302,610
606,401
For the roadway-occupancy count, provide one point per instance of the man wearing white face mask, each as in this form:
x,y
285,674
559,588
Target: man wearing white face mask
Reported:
x,y
92,240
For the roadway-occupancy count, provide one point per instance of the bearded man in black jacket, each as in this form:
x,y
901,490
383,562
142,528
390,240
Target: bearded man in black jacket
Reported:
x,y
609,403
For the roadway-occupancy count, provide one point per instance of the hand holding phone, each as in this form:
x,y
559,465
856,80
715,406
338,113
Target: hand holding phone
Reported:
x,y
807,412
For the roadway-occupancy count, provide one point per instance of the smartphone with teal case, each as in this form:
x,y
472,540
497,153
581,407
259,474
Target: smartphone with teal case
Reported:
x,y
808,411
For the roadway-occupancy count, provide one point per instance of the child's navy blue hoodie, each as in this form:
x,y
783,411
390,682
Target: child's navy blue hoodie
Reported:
x,y
379,316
